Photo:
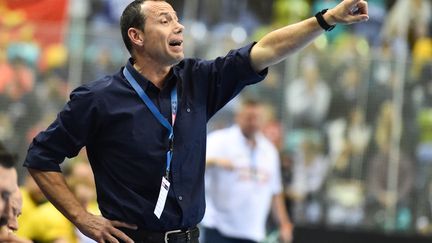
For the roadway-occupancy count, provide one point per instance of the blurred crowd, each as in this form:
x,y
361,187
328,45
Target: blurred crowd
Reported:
x,y
351,114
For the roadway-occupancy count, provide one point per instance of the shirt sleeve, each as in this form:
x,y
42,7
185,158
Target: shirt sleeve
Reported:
x,y
228,75
277,178
65,137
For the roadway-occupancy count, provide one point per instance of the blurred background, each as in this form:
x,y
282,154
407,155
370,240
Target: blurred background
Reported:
x,y
351,114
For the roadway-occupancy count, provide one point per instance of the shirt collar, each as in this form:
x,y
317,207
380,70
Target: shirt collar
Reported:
x,y
258,136
145,83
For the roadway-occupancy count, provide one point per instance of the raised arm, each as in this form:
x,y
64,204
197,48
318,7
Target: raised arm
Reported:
x,y
54,186
277,45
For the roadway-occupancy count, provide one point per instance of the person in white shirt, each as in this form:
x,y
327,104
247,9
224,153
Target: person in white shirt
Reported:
x,y
243,181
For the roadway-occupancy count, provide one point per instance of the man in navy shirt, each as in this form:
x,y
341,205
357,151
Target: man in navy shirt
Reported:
x,y
145,127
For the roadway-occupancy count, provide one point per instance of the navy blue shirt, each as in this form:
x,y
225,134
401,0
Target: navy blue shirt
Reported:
x,y
126,145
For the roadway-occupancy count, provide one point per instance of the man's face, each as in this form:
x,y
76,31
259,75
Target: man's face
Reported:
x,y
163,34
8,184
250,119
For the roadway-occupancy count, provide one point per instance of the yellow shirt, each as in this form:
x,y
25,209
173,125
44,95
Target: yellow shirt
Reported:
x,y
28,207
46,224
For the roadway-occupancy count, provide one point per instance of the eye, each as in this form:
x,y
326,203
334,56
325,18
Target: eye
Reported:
x,y
5,195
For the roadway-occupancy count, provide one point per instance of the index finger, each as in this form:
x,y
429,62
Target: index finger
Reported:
x,y
120,235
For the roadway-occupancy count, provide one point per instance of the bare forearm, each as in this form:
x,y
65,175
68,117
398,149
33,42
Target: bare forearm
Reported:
x,y
279,44
58,193
280,214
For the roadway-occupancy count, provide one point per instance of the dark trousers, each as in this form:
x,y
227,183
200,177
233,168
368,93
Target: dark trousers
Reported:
x,y
214,236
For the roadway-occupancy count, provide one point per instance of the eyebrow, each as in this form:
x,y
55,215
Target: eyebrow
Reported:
x,y
168,14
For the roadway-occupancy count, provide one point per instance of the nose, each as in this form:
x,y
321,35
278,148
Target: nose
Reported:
x,y
179,28
12,223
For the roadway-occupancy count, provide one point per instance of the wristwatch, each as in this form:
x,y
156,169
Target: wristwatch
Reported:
x,y
322,22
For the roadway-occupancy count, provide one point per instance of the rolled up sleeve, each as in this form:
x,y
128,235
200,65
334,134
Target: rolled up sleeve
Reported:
x,y
229,75
71,130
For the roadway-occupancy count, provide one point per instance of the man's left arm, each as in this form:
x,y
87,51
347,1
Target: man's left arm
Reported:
x,y
280,214
279,44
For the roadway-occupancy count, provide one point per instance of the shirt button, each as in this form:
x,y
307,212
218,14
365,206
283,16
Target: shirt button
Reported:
x,y
188,109
180,198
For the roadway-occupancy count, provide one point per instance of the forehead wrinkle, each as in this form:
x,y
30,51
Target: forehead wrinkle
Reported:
x,y
167,14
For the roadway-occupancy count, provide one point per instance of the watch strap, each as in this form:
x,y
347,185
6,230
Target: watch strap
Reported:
x,y
321,21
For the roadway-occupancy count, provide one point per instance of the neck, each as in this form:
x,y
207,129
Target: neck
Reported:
x,y
250,138
152,71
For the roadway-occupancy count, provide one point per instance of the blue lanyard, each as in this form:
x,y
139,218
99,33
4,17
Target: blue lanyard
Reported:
x,y
162,120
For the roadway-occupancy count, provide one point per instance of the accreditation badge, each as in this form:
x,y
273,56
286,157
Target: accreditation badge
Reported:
x,y
163,193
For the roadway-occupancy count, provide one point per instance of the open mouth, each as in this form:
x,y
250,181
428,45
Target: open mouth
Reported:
x,y
175,42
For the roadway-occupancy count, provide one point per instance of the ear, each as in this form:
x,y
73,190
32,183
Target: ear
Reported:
x,y
136,36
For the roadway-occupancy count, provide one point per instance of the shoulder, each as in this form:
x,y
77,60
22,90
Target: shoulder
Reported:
x,y
98,88
267,144
192,64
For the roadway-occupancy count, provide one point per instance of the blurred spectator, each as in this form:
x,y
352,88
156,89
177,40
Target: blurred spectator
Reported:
x,y
32,197
14,211
8,182
20,104
348,138
243,181
6,231
348,93
381,198
46,224
348,142
380,194
20,80
308,97
345,189
309,172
